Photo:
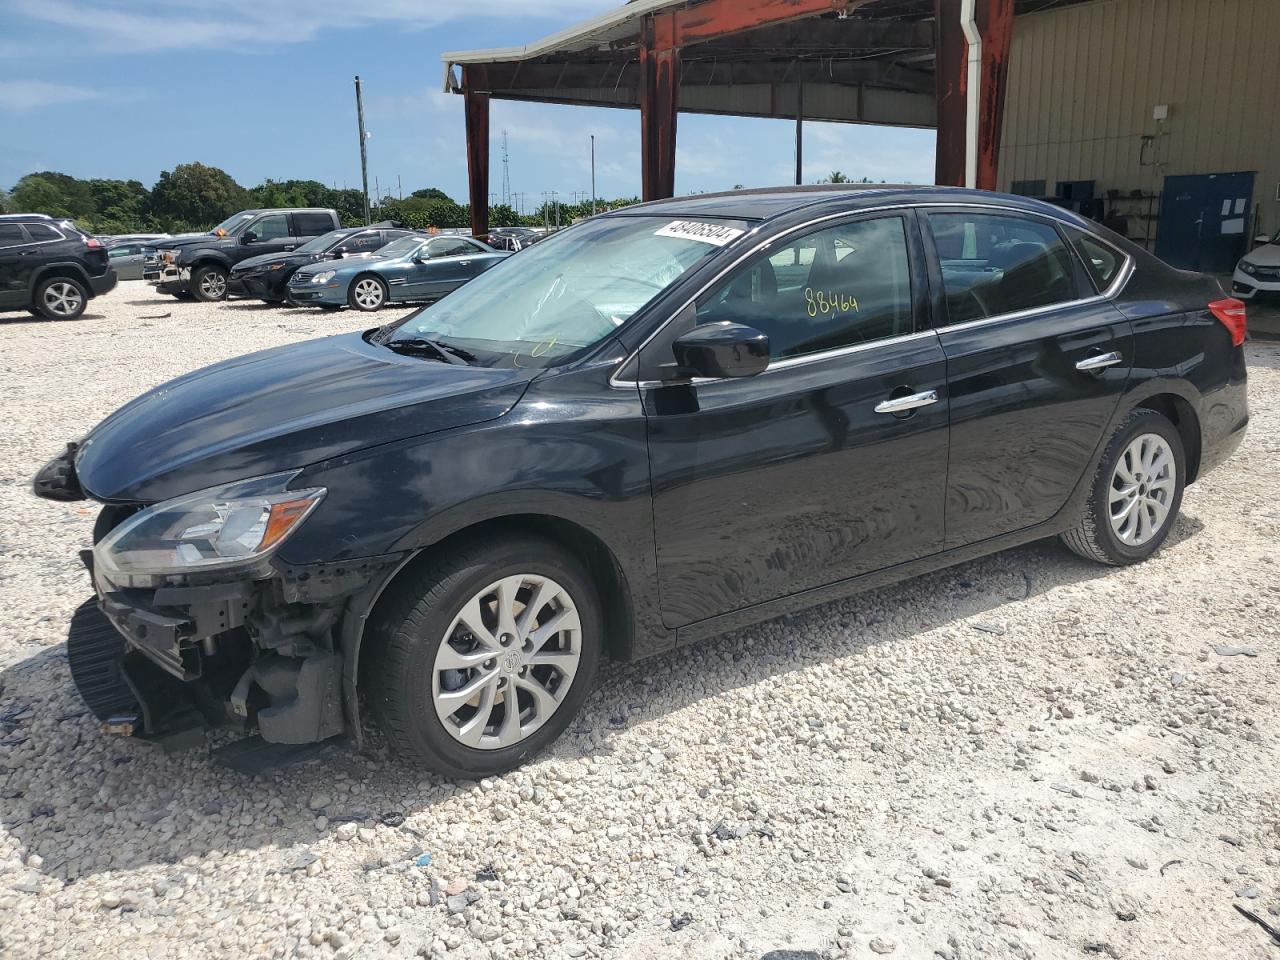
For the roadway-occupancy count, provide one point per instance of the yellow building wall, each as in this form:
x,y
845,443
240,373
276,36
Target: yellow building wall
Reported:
x,y
1085,79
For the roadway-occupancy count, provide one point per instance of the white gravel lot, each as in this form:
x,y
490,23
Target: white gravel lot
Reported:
x,y
1025,756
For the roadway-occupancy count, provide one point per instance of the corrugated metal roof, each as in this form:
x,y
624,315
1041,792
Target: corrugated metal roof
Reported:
x,y
599,31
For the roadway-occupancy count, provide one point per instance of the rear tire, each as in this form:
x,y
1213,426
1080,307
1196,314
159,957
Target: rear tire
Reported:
x,y
414,683
61,298
209,283
1136,493
367,293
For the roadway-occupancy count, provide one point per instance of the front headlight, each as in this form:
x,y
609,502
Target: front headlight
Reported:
x,y
224,527
323,277
1248,267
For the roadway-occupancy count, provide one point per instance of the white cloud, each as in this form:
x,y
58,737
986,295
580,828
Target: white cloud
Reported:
x,y
126,27
33,94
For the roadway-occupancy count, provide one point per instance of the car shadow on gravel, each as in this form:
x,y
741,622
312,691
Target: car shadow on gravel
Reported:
x,y
87,803
18,319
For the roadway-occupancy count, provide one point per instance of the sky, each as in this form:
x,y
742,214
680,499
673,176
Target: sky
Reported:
x,y
263,89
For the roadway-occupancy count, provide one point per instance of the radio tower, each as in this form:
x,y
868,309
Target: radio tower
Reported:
x,y
506,172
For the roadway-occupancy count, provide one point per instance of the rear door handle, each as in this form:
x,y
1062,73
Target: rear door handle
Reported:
x,y
904,404
1101,361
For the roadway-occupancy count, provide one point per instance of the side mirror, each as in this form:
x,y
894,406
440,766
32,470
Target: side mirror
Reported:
x,y
1261,239
248,237
723,349
339,253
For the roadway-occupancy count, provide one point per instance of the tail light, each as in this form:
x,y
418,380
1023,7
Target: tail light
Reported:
x,y
93,243
1232,314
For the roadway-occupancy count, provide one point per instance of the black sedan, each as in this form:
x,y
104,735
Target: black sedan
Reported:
x,y
267,277
658,425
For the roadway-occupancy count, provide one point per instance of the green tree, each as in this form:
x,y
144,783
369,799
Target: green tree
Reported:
x,y
198,195
431,193
56,194
836,177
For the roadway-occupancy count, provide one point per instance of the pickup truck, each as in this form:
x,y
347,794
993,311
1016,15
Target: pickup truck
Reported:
x,y
199,266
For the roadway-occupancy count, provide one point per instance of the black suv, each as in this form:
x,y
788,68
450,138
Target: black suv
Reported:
x,y
658,425
49,267
200,266
267,276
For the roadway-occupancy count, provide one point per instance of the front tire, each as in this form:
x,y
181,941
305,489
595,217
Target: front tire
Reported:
x,y
61,298
367,293
1136,492
209,283
486,655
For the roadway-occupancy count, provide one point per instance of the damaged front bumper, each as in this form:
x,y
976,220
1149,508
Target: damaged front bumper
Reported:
x,y
261,656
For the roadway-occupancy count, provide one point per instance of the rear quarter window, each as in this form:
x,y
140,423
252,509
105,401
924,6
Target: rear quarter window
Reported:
x,y
1101,260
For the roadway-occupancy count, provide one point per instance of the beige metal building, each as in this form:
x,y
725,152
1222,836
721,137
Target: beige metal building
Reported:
x,y
1161,116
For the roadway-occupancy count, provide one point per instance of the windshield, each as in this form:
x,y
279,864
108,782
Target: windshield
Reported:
x,y
569,291
401,248
231,224
322,243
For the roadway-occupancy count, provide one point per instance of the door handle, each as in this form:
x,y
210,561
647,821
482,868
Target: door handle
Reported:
x,y
908,403
1100,362
464,263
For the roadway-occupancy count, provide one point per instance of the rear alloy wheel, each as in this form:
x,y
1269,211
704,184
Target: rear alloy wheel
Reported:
x,y
486,656
367,293
209,283
1136,492
61,298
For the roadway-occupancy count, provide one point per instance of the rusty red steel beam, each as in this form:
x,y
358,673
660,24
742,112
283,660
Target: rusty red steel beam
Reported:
x,y
659,106
995,24
475,96
717,18
950,80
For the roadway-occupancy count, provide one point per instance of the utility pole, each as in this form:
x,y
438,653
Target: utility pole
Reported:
x,y
399,187
506,172
593,174
364,157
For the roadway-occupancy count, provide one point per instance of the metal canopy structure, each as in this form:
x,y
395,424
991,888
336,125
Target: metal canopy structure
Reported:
x,y
893,62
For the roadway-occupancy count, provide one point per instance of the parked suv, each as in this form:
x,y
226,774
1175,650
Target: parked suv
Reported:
x,y
267,276
49,267
660,424
200,266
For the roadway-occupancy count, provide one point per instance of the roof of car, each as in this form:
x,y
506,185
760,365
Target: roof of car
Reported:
x,y
26,216
769,202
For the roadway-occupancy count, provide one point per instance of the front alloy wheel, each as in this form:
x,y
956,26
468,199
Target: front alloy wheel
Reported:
x,y
60,299
367,293
507,661
209,284
483,655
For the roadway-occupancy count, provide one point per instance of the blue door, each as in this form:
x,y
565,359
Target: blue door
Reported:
x,y
1203,218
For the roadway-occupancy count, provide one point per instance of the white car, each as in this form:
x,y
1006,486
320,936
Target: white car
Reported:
x,y
1258,271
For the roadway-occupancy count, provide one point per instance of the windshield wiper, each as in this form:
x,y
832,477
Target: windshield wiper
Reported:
x,y
445,351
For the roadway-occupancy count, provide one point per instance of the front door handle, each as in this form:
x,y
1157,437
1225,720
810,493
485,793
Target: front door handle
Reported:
x,y
905,404
464,263
1100,362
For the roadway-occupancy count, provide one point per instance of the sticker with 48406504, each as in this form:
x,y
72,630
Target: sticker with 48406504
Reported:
x,y
823,303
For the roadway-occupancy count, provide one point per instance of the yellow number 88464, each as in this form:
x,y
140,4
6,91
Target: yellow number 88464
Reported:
x,y
828,303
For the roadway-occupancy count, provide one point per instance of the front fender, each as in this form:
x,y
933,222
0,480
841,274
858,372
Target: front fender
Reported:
x,y
201,256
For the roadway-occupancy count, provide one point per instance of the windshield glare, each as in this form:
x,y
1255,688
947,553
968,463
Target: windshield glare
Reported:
x,y
401,248
233,223
570,291
323,244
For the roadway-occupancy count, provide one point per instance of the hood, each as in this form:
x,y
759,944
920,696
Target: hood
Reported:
x,y
283,409
291,257
1267,255
191,240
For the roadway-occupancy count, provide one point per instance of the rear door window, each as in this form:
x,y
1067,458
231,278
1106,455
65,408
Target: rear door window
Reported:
x,y
41,232
11,235
993,264
312,224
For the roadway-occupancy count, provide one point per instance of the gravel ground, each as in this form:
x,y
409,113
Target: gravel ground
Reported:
x,y
1025,756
